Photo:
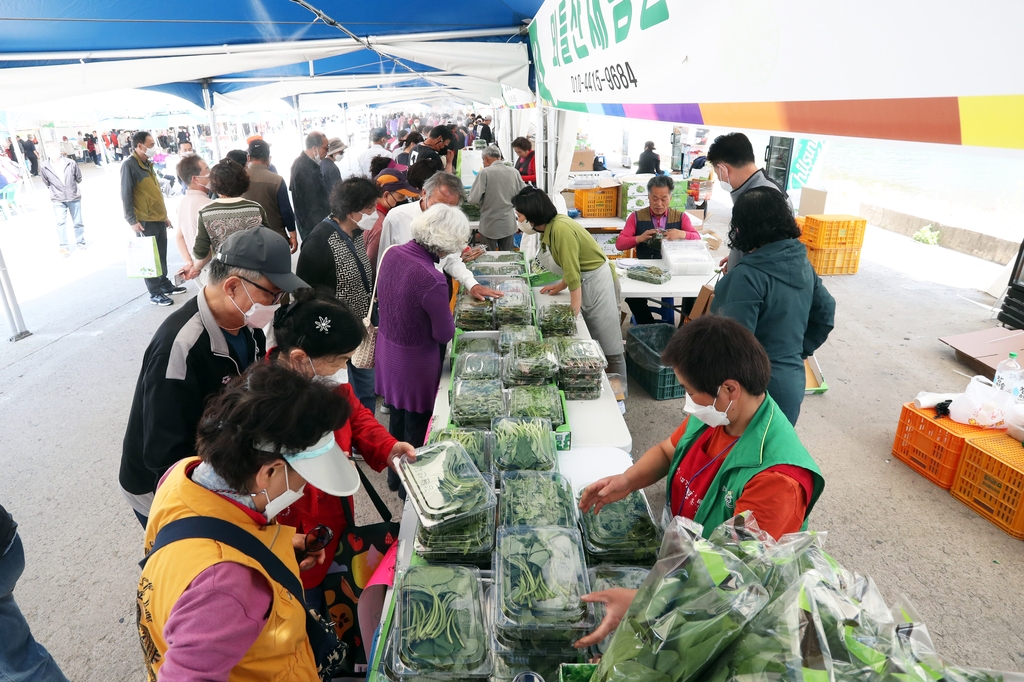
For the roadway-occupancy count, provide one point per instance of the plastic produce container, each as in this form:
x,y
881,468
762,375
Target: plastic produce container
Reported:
x,y
523,443
516,306
687,257
622,532
508,662
557,319
607,577
477,366
532,360
475,402
474,344
651,274
535,401
581,365
443,484
478,443
536,498
516,332
474,315
467,541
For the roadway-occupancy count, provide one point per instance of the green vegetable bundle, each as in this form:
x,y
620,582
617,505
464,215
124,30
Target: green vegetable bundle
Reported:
x,y
649,273
472,211
444,484
557,319
516,332
515,307
536,401
532,360
541,579
473,315
581,364
576,672
478,444
536,498
476,345
477,366
590,392
514,257
695,602
469,540
485,269
608,577
523,443
476,401
441,623
622,532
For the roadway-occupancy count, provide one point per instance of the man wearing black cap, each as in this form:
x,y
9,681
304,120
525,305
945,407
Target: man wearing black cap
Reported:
x,y
213,338
267,189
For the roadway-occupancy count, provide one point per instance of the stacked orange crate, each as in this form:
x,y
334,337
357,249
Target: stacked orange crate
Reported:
x,y
990,480
833,242
931,447
601,202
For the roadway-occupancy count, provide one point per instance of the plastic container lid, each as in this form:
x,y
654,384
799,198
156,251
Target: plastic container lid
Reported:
x,y
607,577
536,498
523,443
474,315
476,401
580,357
479,444
623,525
444,484
476,345
532,359
516,332
468,540
477,366
441,624
535,401
557,319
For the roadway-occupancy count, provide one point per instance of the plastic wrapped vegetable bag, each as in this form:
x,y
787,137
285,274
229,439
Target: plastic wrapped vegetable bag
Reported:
x,y
694,603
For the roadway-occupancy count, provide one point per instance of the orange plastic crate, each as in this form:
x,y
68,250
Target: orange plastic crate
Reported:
x,y
834,261
990,480
800,223
600,202
833,231
931,447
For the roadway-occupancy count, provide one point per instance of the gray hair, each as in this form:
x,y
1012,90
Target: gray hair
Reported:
x,y
315,139
492,152
661,181
441,230
445,182
220,271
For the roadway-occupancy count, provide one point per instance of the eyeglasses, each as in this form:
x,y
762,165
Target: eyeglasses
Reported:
x,y
277,296
316,541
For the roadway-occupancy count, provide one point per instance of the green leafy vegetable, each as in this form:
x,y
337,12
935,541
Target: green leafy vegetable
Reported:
x,y
469,540
622,531
478,443
536,401
476,345
513,308
557,319
476,401
523,443
532,360
477,366
649,273
441,622
474,315
444,484
576,672
607,577
536,498
516,332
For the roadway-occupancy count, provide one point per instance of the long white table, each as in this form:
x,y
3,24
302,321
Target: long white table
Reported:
x,y
680,286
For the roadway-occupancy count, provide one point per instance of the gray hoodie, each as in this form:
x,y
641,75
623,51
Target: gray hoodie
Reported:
x,y
62,176
758,179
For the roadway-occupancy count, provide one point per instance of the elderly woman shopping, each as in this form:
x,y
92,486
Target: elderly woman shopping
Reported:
x,y
415,321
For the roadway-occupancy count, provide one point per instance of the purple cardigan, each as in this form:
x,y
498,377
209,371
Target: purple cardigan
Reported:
x,y
415,321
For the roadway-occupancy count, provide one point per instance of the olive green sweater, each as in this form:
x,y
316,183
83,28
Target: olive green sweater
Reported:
x,y
573,248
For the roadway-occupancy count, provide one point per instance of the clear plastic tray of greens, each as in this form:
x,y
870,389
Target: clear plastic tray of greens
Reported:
x,y
476,345
516,332
469,540
513,308
498,268
498,257
608,577
532,359
557,319
535,401
510,378
622,529
477,366
442,630
583,393
524,443
651,274
443,484
479,444
520,654
474,315
536,498
580,357
476,401
541,578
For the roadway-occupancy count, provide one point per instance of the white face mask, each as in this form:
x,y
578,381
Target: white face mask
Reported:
x,y
367,221
284,500
332,380
708,413
151,152
258,315
723,180
316,156
526,227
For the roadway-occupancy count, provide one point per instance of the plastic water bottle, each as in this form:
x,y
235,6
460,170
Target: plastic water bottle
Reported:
x,y
1010,378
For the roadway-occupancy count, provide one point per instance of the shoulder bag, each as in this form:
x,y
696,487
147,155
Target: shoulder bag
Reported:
x,y
363,358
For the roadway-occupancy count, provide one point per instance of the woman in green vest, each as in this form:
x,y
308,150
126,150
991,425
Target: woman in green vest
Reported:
x,y
734,452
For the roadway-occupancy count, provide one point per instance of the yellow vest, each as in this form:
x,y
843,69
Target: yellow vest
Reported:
x,y
282,651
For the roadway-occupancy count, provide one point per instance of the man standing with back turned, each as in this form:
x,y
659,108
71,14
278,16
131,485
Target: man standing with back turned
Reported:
x,y
309,189
145,211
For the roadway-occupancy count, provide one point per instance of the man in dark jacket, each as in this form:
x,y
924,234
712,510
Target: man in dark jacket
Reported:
x,y
196,351
309,189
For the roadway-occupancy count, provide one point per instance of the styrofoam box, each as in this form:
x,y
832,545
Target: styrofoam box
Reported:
x,y
688,257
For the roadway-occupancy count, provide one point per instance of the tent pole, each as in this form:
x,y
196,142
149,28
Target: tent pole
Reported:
x,y
12,311
298,119
208,101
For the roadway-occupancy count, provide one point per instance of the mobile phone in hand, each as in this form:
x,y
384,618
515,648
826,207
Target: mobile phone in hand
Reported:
x,y
179,279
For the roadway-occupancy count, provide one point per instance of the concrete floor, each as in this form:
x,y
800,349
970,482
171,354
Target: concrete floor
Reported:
x,y
65,393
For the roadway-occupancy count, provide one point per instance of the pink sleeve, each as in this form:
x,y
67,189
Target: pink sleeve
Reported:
x,y
627,238
688,228
215,621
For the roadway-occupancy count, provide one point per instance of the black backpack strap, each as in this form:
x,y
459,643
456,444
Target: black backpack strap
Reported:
x,y
231,535
382,509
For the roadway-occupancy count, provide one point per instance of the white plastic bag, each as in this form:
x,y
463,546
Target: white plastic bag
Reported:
x,y
982,404
143,259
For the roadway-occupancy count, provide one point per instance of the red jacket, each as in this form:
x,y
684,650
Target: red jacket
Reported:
x,y
374,443
527,167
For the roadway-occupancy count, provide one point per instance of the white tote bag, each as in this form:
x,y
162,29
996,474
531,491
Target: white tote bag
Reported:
x,y
143,258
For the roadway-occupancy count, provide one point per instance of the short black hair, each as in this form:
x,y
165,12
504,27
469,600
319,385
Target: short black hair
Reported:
x,y
413,138
661,181
535,206
353,194
379,163
137,139
239,156
188,168
761,216
259,150
419,173
732,148
229,179
300,325
522,143
441,132
711,349
267,404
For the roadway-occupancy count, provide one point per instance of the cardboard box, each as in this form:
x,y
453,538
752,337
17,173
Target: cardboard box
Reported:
x,y
983,350
812,201
815,383
582,160
703,303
